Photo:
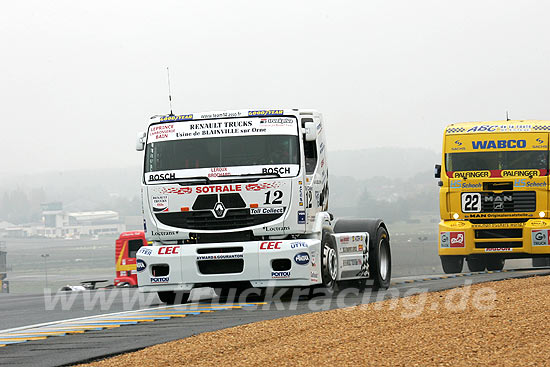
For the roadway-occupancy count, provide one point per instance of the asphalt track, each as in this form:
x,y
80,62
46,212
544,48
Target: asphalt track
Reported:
x,y
84,338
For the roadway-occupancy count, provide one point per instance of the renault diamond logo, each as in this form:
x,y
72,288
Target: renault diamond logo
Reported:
x,y
219,210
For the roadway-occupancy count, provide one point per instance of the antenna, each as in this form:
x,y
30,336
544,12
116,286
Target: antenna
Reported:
x,y
507,119
169,91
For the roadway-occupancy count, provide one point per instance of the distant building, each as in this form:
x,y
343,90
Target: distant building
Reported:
x,y
56,223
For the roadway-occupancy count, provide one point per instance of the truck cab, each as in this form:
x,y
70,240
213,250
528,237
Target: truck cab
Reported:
x,y
236,197
126,248
494,194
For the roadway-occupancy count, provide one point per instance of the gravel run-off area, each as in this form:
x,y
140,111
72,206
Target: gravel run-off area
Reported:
x,y
501,323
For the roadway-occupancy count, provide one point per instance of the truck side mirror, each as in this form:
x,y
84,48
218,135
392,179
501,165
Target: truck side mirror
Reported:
x,y
311,131
140,141
437,172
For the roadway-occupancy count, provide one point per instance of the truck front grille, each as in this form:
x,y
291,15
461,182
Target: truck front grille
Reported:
x,y
221,266
508,201
205,220
499,233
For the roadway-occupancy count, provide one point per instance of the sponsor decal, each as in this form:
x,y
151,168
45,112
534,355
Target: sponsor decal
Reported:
x,y
482,128
176,118
301,217
160,203
314,276
471,174
520,172
263,186
219,257
347,249
256,211
161,176
218,188
301,258
141,265
133,272
160,280
219,172
145,251
444,239
457,224
280,274
276,229
277,170
344,239
178,191
278,121
538,223
498,144
272,245
160,132
294,245
539,237
457,239
123,273
357,238
498,249
313,258
169,250
522,182
352,262
265,113
161,233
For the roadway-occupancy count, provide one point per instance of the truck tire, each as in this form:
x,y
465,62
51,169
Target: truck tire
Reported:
x,y
172,298
541,261
379,248
452,264
476,264
495,263
329,262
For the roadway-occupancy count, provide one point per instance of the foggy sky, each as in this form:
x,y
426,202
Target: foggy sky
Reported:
x,y
80,79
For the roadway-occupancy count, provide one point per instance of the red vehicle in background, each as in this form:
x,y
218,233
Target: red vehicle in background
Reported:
x,y
127,245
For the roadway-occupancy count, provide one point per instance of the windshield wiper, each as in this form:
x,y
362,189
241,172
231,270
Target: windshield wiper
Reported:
x,y
193,181
274,174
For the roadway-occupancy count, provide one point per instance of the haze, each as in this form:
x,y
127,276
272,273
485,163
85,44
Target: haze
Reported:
x,y
79,79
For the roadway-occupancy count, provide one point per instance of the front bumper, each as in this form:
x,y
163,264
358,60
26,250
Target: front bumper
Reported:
x,y
283,263
510,240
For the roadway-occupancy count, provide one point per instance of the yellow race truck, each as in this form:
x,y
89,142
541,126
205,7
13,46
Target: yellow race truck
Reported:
x,y
494,194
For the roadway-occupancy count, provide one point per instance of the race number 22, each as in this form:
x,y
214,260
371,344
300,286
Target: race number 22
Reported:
x,y
471,202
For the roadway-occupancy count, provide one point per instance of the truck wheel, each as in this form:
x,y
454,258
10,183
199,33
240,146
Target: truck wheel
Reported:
x,y
541,261
452,264
476,264
172,298
380,263
495,263
329,263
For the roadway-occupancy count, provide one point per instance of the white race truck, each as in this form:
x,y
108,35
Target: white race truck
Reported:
x,y
239,199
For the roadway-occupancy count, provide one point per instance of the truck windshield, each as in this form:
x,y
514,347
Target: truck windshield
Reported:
x,y
222,152
499,160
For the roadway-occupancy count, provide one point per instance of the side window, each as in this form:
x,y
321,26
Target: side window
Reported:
x,y
133,247
310,151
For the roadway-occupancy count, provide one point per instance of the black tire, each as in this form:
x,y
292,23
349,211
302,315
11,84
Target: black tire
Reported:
x,y
329,262
379,249
541,261
172,298
495,263
452,264
380,263
476,264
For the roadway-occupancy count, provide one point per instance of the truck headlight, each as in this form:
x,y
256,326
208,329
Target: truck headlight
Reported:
x,y
541,214
456,216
